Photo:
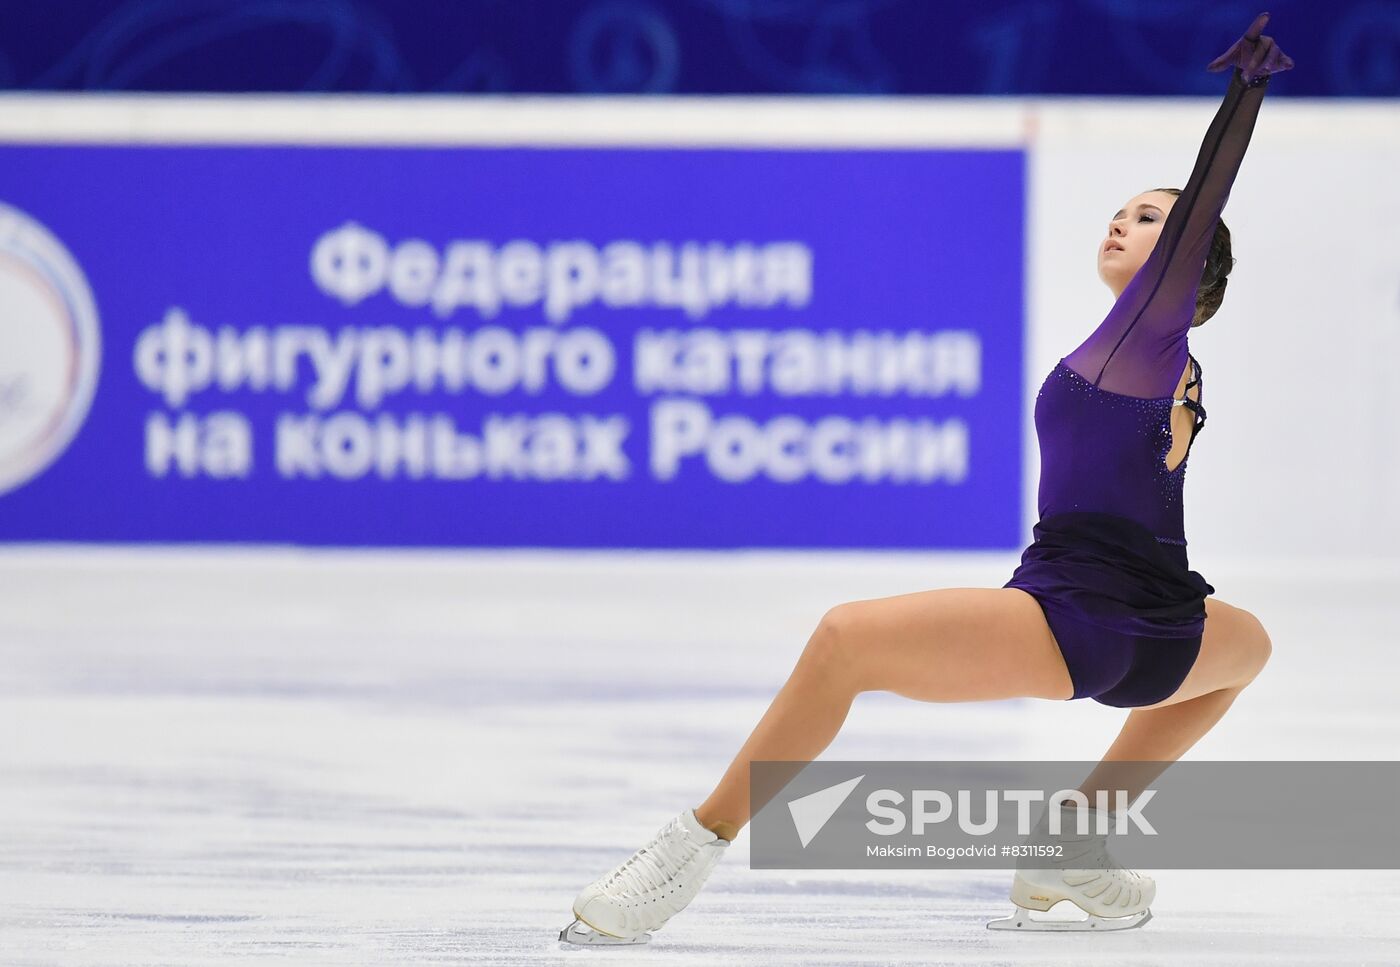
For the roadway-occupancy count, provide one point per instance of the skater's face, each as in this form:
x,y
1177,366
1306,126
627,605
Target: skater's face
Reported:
x,y
1132,234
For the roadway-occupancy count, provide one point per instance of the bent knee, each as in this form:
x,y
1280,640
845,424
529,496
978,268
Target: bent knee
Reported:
x,y
831,646
1260,646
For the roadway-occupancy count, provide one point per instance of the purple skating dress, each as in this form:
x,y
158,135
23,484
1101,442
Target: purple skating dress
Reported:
x,y
1108,564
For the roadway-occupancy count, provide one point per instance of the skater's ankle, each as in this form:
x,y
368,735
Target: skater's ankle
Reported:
x,y
723,830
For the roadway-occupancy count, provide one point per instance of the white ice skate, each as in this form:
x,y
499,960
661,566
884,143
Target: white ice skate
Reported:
x,y
649,888
1085,875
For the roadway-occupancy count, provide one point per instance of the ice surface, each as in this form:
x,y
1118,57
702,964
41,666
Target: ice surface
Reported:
x,y
355,757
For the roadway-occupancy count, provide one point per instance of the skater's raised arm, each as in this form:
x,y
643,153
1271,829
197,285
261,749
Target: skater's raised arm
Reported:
x,y
1140,347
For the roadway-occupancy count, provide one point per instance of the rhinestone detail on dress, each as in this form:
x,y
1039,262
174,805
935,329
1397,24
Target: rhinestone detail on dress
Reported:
x,y
1155,425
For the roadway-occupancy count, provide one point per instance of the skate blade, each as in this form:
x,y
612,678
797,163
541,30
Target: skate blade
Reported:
x,y
579,932
1022,920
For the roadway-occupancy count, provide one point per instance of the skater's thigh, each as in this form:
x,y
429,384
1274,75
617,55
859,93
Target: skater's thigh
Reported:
x,y
1234,647
952,645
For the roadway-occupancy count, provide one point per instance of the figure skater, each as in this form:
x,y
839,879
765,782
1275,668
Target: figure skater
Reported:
x,y
1103,604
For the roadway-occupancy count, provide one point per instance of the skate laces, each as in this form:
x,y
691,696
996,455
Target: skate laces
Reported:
x,y
1084,852
647,868
1099,862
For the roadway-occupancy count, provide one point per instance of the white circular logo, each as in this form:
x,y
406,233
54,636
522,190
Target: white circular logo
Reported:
x,y
50,348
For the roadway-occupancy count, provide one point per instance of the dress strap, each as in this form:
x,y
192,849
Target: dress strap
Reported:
x,y
1194,405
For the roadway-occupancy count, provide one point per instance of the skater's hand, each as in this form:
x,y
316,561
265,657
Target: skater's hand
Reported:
x,y
1256,56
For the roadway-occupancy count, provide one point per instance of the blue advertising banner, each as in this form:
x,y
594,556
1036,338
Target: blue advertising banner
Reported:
x,y
575,347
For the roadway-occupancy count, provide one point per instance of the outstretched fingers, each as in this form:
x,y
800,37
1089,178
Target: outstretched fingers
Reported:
x,y
1261,53
1225,59
1254,54
1242,48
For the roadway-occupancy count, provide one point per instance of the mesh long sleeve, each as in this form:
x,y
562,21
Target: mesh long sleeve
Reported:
x,y
1140,347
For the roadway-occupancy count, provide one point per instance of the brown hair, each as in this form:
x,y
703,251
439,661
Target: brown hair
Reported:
x,y
1219,262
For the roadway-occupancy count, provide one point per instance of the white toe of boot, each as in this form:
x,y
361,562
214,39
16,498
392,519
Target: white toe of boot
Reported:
x,y
655,883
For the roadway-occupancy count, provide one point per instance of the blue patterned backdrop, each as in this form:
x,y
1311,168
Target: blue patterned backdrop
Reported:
x,y
1147,47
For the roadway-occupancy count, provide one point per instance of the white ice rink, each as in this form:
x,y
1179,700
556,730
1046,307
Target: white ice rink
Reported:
x,y
281,756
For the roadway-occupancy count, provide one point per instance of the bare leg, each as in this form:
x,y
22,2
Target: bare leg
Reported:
x,y
949,645
1159,736
1234,649
802,721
